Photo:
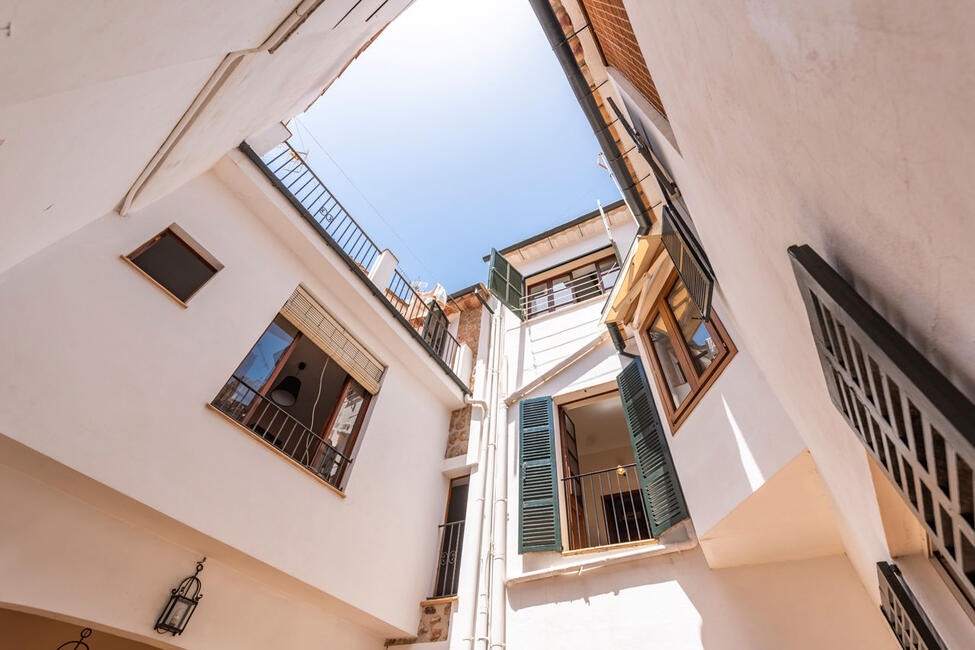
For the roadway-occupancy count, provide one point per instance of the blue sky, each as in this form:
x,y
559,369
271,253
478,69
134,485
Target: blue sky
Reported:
x,y
454,132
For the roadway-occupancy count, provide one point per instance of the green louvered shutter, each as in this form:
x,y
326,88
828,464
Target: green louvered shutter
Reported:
x,y
538,528
658,478
505,282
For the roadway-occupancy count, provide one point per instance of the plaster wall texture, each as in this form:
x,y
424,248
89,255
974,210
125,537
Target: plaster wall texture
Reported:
x,y
109,376
845,125
678,602
102,84
73,562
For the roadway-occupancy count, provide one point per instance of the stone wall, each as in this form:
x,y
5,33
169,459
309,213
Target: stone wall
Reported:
x,y
468,332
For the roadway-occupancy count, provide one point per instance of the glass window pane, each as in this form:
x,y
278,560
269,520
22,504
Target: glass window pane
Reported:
x,y
704,349
610,271
257,366
346,417
585,283
667,355
537,299
561,291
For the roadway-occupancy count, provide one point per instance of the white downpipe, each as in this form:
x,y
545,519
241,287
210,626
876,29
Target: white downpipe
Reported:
x,y
499,537
210,89
479,603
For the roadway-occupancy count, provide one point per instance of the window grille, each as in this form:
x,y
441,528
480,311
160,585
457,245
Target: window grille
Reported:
x,y
911,419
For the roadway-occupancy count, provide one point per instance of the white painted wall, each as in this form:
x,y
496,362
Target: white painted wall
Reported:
x,y
845,125
106,374
99,85
677,602
67,558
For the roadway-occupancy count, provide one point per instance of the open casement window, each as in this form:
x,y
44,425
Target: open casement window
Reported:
x,y
538,521
687,353
676,235
655,467
304,389
505,282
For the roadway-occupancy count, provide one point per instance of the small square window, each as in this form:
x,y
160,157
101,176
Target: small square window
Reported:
x,y
175,262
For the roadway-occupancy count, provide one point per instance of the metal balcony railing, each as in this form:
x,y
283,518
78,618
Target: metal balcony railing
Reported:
x,y
904,613
296,176
291,175
271,423
605,507
448,564
584,287
427,319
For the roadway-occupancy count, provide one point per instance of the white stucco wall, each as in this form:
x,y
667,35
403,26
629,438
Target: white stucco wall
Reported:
x,y
845,125
66,558
676,602
106,374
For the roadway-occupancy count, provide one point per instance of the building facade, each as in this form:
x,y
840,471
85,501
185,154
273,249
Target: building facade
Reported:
x,y
730,410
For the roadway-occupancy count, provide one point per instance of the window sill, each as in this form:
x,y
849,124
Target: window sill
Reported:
x,y
680,538
610,547
153,280
270,447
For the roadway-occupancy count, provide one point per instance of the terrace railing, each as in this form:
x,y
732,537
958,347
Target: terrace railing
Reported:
x,y
605,507
427,319
270,423
584,287
287,165
291,174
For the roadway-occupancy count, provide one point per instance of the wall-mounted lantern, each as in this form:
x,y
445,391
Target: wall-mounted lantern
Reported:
x,y
182,602
80,643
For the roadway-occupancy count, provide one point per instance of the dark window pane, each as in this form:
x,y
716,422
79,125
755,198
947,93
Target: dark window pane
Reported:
x,y
174,265
704,350
669,364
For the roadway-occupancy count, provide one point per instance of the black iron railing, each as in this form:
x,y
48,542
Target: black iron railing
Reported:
x,y
427,319
296,176
910,418
605,507
291,175
907,619
271,423
448,564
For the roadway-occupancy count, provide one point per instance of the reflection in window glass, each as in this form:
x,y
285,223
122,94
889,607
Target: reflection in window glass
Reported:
x,y
348,414
692,328
561,291
610,271
585,283
537,300
667,355
257,366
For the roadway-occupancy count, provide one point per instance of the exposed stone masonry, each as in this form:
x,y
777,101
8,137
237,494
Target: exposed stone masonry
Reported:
x,y
469,333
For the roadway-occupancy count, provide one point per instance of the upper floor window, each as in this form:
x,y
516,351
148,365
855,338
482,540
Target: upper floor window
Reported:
x,y
304,389
687,352
571,285
175,262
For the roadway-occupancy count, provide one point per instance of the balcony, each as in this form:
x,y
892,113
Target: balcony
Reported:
x,y
424,319
605,507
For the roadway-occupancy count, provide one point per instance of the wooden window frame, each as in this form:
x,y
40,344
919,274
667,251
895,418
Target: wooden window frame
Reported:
x,y
700,382
567,273
189,244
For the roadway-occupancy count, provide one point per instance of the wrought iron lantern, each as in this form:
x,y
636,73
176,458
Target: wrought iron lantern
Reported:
x,y
182,603
79,644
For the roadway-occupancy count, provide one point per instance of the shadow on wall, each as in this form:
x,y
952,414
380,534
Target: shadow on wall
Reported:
x,y
680,603
28,631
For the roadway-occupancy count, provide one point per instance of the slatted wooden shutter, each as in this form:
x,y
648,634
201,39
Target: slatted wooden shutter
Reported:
x,y
538,528
689,258
658,477
505,282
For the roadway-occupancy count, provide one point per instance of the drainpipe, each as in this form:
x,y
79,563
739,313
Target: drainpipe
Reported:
x,y
477,623
499,537
580,87
210,90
